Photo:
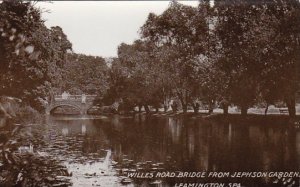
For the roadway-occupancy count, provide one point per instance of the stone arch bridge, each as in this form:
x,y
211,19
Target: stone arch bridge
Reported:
x,y
80,102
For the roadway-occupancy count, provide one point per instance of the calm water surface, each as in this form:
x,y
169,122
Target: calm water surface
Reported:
x,y
101,151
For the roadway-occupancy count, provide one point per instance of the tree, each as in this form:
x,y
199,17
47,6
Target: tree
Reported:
x,y
84,74
26,57
183,31
283,68
138,60
234,23
255,65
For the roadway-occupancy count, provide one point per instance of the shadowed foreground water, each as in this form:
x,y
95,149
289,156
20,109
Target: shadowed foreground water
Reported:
x,y
102,151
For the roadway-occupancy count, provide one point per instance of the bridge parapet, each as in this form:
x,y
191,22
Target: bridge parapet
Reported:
x,y
75,97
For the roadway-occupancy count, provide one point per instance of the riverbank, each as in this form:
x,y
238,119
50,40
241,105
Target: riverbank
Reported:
x,y
232,111
249,119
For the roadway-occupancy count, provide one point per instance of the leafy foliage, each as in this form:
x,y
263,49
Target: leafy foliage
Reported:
x,y
236,52
255,65
30,53
84,74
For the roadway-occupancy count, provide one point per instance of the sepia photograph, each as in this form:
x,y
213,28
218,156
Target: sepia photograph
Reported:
x,y
191,93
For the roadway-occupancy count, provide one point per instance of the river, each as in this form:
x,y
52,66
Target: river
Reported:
x,y
101,151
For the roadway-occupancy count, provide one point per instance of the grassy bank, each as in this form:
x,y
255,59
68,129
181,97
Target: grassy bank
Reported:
x,y
250,119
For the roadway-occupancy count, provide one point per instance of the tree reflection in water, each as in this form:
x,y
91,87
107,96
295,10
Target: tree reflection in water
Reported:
x,y
102,151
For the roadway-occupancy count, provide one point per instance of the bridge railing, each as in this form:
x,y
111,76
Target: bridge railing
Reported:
x,y
74,97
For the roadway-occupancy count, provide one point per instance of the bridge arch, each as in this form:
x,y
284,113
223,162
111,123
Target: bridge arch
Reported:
x,y
52,108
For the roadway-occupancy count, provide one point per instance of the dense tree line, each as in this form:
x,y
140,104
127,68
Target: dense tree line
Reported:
x,y
83,74
235,52
37,62
31,55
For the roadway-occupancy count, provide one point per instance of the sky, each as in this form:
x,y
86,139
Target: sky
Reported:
x,y
99,27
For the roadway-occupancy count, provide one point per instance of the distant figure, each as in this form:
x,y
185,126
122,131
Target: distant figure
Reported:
x,y
65,95
83,98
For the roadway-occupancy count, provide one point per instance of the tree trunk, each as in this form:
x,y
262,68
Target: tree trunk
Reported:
x,y
224,105
196,108
156,109
225,109
166,108
244,110
184,107
140,108
147,108
183,103
291,104
266,110
174,107
211,107
166,105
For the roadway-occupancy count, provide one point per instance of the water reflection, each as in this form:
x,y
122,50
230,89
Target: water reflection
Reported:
x,y
65,131
102,151
83,129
